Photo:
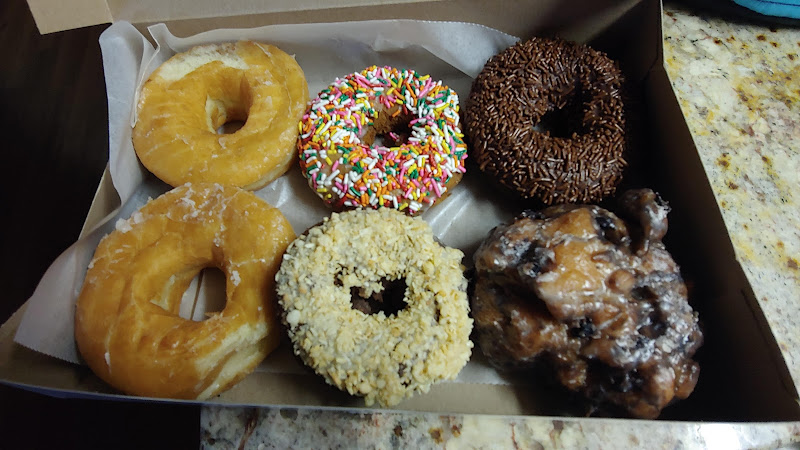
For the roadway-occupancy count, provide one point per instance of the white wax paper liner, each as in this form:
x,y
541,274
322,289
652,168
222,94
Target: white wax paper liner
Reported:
x,y
450,51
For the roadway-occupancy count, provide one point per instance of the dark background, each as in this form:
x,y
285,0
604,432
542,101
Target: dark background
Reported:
x,y
55,138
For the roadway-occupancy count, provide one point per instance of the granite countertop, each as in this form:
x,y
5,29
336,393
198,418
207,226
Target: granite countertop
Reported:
x,y
739,88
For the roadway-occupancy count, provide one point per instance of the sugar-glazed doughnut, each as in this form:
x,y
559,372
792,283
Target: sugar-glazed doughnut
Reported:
x,y
127,325
593,299
382,138
353,258
191,95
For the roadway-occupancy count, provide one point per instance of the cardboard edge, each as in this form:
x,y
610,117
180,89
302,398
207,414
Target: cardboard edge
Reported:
x,y
660,70
57,378
51,16
27,369
722,243
515,23
156,10
775,354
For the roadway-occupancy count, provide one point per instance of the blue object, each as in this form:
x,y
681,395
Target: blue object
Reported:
x,y
778,8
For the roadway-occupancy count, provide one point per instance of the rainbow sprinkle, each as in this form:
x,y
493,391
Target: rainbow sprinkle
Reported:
x,y
409,176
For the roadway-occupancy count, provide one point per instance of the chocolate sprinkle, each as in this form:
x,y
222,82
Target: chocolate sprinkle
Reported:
x,y
549,77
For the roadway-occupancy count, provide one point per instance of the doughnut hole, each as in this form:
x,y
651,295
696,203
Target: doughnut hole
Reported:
x,y
391,128
390,299
230,127
195,294
227,108
564,118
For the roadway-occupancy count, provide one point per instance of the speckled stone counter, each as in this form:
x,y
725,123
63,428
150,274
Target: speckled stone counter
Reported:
x,y
739,89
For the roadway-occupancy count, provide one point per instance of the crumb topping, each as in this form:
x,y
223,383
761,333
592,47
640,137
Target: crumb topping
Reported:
x,y
383,358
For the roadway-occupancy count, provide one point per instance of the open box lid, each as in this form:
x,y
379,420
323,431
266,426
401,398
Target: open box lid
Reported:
x,y
188,16
54,16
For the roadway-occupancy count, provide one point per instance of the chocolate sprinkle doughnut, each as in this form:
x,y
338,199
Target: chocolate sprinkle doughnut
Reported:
x,y
545,118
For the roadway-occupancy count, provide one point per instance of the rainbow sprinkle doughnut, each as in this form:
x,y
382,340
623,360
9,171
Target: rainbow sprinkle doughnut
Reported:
x,y
383,138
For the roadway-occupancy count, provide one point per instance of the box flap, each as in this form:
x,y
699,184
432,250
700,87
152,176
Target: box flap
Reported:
x,y
138,11
187,17
51,16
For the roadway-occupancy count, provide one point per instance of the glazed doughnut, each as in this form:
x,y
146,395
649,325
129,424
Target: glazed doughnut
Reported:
x,y
127,325
333,279
418,159
572,93
597,299
191,95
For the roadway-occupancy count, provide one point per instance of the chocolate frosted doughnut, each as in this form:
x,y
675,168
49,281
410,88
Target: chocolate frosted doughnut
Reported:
x,y
594,298
571,93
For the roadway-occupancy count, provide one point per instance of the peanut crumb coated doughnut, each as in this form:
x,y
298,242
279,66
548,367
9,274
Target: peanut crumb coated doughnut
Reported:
x,y
384,358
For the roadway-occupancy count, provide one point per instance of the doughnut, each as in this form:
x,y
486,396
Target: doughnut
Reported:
x,y
383,138
127,325
597,300
191,95
375,306
545,119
